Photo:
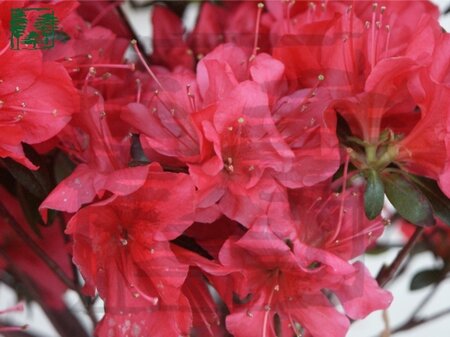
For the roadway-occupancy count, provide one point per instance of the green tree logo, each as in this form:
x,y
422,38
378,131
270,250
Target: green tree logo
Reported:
x,y
32,28
18,25
46,24
32,38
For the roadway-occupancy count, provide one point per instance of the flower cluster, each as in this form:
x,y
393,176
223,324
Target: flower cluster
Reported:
x,y
227,183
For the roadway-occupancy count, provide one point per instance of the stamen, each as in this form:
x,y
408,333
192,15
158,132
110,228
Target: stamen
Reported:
x,y
258,20
141,58
267,308
311,11
341,208
23,108
373,46
139,90
130,66
90,75
288,14
388,39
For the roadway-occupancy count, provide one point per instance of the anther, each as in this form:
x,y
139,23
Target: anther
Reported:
x,y
241,120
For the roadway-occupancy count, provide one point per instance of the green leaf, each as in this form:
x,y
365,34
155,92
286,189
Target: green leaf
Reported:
x,y
374,194
27,178
438,200
408,200
425,278
377,250
62,167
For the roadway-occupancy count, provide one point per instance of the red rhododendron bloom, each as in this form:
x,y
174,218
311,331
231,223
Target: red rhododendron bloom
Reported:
x,y
24,78
285,279
122,250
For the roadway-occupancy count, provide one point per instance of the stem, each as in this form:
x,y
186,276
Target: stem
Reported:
x,y
388,272
412,323
424,301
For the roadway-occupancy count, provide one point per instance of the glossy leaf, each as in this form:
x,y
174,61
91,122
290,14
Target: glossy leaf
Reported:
x,y
27,178
425,278
374,194
408,200
438,200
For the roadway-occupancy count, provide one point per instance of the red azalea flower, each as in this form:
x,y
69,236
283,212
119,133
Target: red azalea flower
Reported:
x,y
165,116
122,249
104,160
424,151
285,281
37,100
299,118
334,221
246,144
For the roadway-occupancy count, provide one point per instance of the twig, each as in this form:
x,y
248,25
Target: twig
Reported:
x,y
48,261
35,247
412,323
62,319
388,272
425,301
